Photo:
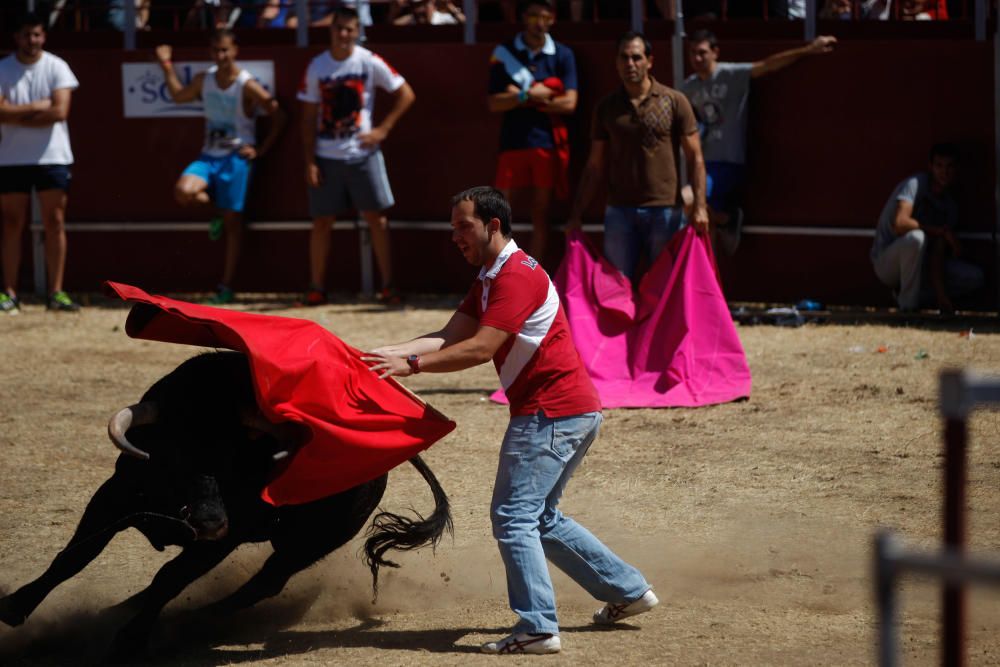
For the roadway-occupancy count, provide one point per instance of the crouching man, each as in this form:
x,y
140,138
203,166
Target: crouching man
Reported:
x,y
916,251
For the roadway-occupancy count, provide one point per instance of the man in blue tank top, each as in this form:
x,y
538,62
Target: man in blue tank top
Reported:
x,y
220,176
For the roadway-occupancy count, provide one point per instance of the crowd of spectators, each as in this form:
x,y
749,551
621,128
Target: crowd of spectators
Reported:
x,y
207,14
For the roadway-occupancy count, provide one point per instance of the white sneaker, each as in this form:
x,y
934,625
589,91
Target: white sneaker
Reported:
x,y
612,612
523,642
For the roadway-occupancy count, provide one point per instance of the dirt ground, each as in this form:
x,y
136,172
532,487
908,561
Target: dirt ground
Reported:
x,y
753,520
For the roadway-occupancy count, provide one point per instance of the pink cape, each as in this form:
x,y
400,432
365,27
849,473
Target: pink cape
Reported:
x,y
361,427
672,345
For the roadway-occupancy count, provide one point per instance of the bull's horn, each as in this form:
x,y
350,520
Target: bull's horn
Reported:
x,y
126,418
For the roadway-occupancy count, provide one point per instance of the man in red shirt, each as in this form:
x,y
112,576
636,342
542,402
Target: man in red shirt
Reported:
x,y
512,315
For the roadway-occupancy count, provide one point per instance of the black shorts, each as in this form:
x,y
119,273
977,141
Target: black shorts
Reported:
x,y
38,177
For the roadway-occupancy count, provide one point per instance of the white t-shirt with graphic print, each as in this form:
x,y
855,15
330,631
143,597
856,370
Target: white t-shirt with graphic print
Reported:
x,y
23,84
345,93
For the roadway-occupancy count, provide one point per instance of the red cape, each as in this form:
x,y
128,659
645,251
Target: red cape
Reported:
x,y
361,426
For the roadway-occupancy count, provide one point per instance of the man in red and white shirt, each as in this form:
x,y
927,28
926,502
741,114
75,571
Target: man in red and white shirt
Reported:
x,y
512,315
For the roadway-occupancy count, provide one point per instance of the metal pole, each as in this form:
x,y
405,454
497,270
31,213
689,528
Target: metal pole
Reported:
x,y
996,151
363,10
129,25
367,270
953,599
885,597
635,14
677,45
302,24
810,22
980,20
471,12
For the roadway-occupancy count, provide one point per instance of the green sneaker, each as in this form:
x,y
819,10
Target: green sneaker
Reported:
x,y
222,295
61,301
215,228
9,305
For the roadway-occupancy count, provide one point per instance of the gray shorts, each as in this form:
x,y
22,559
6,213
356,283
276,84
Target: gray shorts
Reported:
x,y
361,184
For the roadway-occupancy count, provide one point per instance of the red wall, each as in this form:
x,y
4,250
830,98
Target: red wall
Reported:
x,y
828,140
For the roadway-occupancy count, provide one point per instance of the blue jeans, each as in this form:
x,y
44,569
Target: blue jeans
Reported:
x,y
537,458
631,232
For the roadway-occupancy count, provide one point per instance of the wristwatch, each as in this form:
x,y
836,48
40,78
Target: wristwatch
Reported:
x,y
413,361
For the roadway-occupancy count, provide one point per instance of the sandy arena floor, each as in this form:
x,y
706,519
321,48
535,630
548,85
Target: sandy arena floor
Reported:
x,y
753,520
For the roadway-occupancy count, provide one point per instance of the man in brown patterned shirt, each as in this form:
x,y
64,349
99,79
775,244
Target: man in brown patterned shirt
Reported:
x,y
637,136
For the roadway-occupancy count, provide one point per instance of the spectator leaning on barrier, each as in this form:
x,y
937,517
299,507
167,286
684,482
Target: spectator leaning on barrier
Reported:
x,y
718,92
637,135
916,250
513,316
221,174
344,164
35,154
533,84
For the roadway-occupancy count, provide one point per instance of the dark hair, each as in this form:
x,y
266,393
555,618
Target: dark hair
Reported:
x,y
222,33
944,150
704,35
28,20
630,37
487,203
525,5
345,13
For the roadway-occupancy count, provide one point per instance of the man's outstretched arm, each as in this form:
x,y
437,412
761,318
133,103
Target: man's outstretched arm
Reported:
x,y
773,63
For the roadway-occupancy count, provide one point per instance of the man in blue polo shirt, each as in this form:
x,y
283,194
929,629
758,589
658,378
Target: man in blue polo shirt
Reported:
x,y
533,84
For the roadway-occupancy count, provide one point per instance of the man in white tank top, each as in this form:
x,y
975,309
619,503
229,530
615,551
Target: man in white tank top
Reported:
x,y
221,174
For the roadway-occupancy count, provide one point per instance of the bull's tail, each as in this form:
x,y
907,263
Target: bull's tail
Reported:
x,y
393,531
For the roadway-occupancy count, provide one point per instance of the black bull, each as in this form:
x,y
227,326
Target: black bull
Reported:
x,y
210,453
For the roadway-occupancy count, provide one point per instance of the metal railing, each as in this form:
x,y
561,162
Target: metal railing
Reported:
x,y
960,393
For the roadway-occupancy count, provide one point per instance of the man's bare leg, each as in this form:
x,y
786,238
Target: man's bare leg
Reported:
x,y
53,205
319,250
191,190
233,222
15,215
541,201
378,226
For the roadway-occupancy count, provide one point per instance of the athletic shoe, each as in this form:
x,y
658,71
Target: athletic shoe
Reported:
x,y
523,642
61,301
612,612
389,296
730,234
215,228
222,295
314,297
9,305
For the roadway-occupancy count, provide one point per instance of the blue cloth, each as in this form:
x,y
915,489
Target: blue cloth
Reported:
x,y
228,178
537,458
631,233
525,127
724,182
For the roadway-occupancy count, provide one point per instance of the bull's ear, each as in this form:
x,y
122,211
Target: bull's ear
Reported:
x,y
290,435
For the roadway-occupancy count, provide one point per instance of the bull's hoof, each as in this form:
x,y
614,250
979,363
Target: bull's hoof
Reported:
x,y
10,613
